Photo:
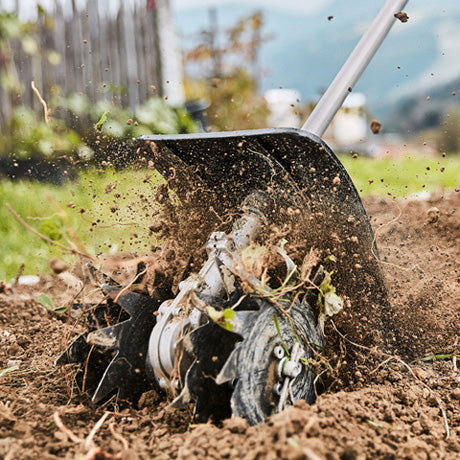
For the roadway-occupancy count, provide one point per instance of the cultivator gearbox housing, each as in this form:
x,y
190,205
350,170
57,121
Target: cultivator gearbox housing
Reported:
x,y
230,341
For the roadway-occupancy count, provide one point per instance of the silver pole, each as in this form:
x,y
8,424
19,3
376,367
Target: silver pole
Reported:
x,y
333,98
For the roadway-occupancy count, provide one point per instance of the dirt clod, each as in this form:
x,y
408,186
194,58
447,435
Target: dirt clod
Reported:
x,y
402,16
376,126
432,215
58,266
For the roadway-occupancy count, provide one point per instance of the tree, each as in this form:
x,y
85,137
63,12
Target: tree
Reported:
x,y
227,73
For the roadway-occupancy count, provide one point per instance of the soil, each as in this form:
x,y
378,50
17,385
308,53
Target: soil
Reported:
x,y
395,407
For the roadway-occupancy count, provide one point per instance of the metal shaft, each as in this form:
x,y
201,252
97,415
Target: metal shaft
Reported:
x,y
333,98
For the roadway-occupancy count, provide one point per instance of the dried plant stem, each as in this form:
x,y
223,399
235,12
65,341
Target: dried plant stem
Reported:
x,y
44,237
46,110
72,436
89,439
128,286
118,436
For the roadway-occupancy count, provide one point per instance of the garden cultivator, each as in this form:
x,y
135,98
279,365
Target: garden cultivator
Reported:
x,y
235,340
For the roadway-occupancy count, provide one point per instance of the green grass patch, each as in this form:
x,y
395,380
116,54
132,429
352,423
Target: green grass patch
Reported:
x,y
402,176
107,212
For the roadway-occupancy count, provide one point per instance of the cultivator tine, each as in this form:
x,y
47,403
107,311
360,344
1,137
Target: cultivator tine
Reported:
x,y
75,352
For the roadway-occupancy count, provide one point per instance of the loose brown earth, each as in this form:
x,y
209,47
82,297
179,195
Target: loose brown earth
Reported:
x,y
395,409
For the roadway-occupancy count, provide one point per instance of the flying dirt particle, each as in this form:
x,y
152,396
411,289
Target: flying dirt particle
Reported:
x,y
330,18
442,169
402,16
427,168
336,180
85,41
109,188
156,227
57,266
129,122
432,215
82,210
153,88
70,204
355,155
375,126
454,93
113,208
215,82
428,98
370,181
350,89
240,145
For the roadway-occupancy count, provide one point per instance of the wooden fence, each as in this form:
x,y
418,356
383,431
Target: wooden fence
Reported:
x,y
101,48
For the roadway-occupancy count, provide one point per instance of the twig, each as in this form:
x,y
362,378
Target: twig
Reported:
x,y
72,436
118,436
89,438
42,101
44,237
353,343
18,275
126,288
444,416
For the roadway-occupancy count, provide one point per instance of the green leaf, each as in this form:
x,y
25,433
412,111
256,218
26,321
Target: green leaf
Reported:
x,y
52,228
277,326
214,314
98,126
46,301
330,258
439,356
229,313
8,370
221,317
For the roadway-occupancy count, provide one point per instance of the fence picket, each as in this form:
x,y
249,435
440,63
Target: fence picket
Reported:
x,y
89,37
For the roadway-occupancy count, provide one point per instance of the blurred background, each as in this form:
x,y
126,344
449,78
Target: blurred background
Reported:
x,y
108,71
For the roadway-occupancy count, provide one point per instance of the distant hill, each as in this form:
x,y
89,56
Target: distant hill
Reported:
x,y
306,50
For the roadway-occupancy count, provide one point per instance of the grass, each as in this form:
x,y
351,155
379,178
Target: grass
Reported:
x,y
108,212
111,211
402,176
